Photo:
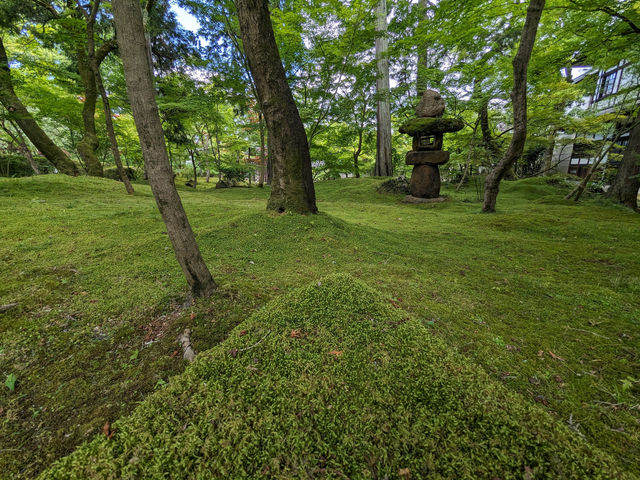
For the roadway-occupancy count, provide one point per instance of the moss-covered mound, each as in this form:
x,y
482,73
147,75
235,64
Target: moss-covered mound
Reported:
x,y
332,381
431,126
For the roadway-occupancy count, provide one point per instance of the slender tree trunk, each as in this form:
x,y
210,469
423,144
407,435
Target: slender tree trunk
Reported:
x,y
624,188
356,155
108,117
421,81
519,100
195,169
138,76
263,159
19,114
112,134
384,165
467,164
22,145
292,187
269,157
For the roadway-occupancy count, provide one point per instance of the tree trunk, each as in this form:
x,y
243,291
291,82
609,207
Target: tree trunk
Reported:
x,y
269,162
263,159
138,76
489,142
356,155
292,186
21,116
22,145
519,100
467,164
384,165
89,143
195,169
624,188
91,49
421,80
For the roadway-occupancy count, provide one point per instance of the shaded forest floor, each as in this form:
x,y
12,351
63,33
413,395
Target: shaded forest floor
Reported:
x,y
544,295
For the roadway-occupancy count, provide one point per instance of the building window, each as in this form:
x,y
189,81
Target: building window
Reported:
x,y
608,84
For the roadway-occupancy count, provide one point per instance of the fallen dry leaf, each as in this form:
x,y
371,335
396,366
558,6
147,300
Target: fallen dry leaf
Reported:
x,y
108,432
234,352
295,334
541,353
243,333
404,473
192,316
174,354
555,357
336,353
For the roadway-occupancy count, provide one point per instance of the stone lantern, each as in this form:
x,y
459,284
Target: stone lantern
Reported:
x,y
427,130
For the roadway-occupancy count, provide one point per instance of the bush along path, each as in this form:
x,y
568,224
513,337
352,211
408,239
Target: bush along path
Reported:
x,y
332,381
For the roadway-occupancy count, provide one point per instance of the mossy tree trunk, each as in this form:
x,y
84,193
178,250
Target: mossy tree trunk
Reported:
x,y
519,100
624,188
292,185
138,76
19,114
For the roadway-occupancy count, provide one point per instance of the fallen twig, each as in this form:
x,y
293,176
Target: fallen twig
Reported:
x,y
587,331
255,344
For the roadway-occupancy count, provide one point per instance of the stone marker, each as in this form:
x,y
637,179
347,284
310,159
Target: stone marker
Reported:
x,y
427,130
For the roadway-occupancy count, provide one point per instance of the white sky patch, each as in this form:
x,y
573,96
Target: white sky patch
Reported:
x,y
187,20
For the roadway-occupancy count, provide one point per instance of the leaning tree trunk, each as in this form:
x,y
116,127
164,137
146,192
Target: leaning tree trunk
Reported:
x,y
138,76
384,165
519,100
22,145
21,116
624,188
292,187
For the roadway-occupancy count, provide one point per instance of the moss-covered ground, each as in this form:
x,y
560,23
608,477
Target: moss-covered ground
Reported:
x,y
543,295
331,381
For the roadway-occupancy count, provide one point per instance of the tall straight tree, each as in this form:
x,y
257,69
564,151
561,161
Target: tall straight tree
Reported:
x,y
384,165
21,116
292,184
519,101
138,77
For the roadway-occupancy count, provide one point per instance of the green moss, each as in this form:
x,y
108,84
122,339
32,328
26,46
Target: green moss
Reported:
x,y
541,275
332,381
431,126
